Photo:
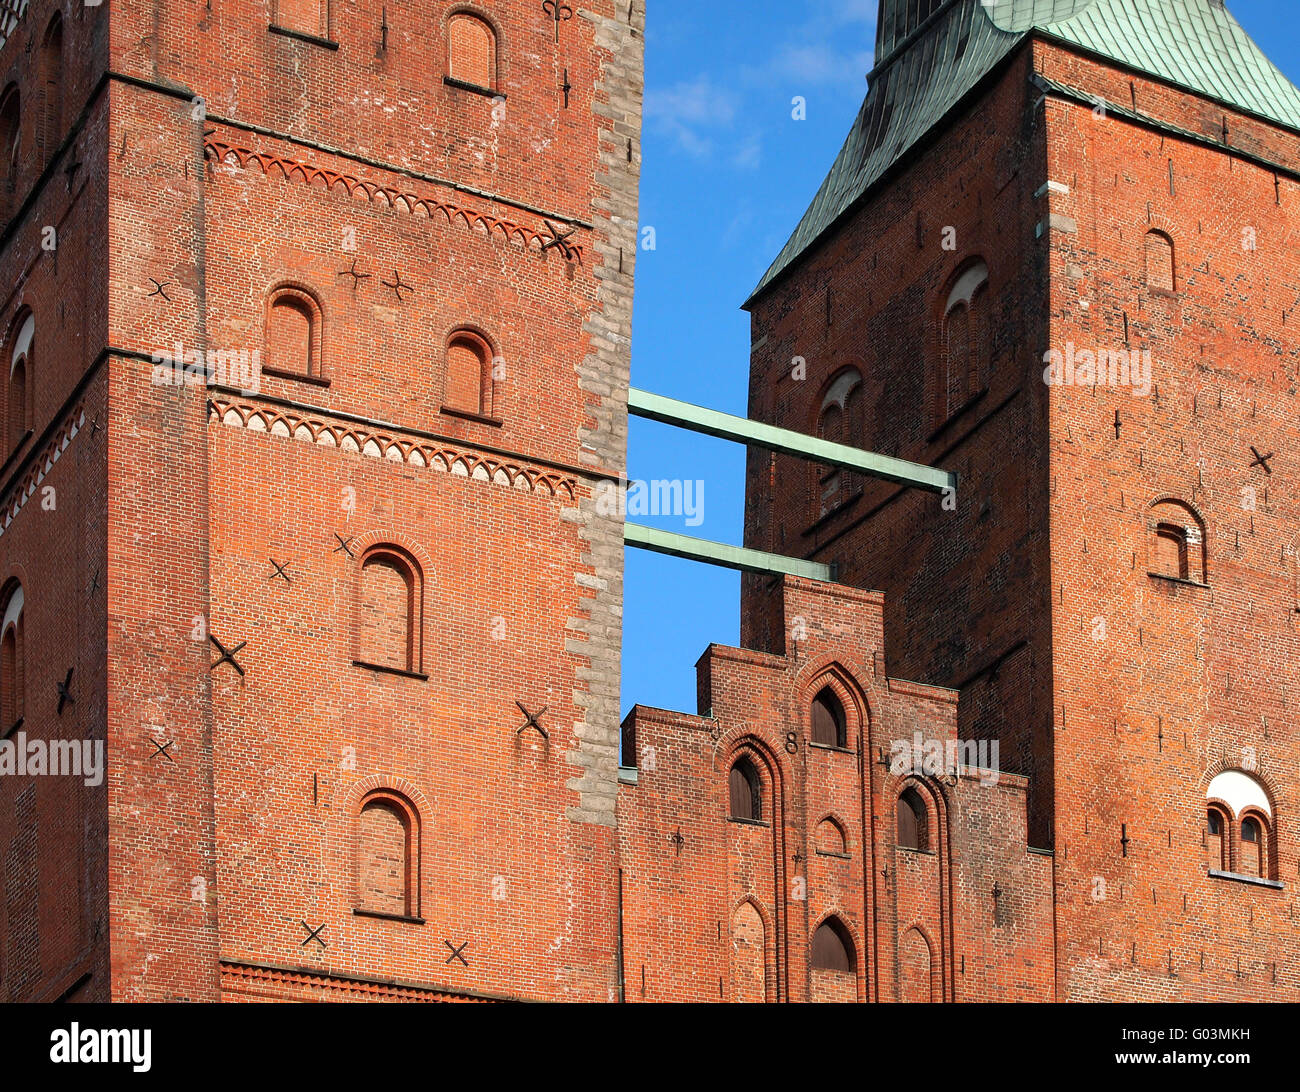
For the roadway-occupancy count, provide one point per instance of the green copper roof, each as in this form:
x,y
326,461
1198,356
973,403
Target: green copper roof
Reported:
x,y
1196,44
931,53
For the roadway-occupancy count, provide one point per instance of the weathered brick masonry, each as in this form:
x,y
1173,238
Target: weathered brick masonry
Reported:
x,y
826,847
350,629
1093,207
475,167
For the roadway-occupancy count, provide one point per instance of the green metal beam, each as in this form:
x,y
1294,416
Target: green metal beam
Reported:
x,y
725,426
718,553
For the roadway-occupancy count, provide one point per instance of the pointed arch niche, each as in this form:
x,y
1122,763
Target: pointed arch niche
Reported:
x,y
920,891
747,959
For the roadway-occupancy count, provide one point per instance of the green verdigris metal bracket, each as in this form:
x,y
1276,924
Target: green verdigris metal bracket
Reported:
x,y
720,554
725,426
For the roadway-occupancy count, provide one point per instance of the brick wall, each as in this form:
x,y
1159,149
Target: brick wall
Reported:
x,y
224,161
1118,695
966,604
712,891
54,496
1160,684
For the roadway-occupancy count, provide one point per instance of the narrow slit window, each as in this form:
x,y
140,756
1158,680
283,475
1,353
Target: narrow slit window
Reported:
x,y
387,848
51,87
829,726
10,134
746,791
1171,551
1215,842
469,380
388,611
11,660
1159,261
839,421
1252,847
18,392
912,824
1177,542
964,342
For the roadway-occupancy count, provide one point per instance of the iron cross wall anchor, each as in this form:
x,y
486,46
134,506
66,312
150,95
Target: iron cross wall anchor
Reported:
x,y
533,721
162,749
227,655
398,286
559,239
356,275
65,692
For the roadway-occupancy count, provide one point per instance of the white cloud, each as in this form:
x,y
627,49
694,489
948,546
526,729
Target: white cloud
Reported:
x,y
828,49
696,100
687,109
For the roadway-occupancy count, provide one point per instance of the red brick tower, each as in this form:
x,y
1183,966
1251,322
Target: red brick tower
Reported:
x,y
1097,186
348,623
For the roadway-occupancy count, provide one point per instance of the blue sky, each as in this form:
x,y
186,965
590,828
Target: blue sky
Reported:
x,y
726,174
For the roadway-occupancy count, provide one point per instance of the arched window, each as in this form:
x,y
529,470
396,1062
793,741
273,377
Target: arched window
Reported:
x,y
1160,261
746,791
11,659
913,825
1252,847
469,374
51,87
1240,826
389,611
294,333
839,420
10,134
303,16
22,354
387,856
829,726
1216,839
964,342
1177,542
832,947
471,51
831,838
